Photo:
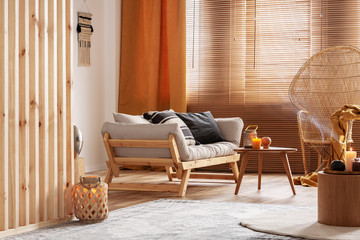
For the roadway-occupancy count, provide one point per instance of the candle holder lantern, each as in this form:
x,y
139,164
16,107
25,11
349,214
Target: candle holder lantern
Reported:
x,y
90,198
249,134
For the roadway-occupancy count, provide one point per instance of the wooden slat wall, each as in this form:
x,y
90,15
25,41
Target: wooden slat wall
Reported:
x,y
43,111
4,206
34,110
36,146
60,106
13,108
52,42
70,173
23,111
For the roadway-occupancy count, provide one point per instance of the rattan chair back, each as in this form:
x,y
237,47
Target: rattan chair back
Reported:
x,y
325,83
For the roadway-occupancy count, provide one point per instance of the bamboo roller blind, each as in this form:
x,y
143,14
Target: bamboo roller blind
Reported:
x,y
36,152
242,56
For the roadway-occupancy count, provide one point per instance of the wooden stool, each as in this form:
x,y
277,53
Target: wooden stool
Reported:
x,y
339,199
283,155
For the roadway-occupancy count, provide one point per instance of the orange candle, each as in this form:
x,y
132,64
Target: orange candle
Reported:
x,y
256,143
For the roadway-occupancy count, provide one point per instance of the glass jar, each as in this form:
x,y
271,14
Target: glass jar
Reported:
x,y
356,165
249,134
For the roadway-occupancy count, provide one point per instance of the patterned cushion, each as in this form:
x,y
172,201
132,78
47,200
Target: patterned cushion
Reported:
x,y
169,116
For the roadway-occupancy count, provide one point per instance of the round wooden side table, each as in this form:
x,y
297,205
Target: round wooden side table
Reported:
x,y
339,199
278,150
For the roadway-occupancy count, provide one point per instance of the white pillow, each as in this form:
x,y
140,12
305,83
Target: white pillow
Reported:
x,y
127,118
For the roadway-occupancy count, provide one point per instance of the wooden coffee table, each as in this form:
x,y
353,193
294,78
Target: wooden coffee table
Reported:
x,y
283,155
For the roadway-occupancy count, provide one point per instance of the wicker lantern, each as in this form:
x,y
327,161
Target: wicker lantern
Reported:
x,y
90,198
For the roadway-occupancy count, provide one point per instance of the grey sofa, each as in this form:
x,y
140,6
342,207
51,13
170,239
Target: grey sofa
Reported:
x,y
134,141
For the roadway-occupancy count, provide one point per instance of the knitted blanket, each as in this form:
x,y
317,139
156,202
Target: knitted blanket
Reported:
x,y
339,122
309,180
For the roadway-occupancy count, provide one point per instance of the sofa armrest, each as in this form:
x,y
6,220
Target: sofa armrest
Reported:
x,y
231,129
146,132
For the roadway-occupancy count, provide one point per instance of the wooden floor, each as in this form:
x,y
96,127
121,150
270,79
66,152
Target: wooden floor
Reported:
x,y
275,190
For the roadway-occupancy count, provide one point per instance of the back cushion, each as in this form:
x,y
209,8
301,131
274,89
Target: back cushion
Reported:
x,y
139,131
127,118
202,126
169,116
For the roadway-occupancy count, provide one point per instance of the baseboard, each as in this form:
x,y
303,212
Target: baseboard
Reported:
x,y
34,226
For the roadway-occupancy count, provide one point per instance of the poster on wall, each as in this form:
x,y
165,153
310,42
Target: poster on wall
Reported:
x,y
85,30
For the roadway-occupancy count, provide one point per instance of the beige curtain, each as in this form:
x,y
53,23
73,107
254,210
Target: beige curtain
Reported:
x,y
153,68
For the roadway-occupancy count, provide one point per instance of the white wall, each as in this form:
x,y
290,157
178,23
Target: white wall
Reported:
x,y
95,88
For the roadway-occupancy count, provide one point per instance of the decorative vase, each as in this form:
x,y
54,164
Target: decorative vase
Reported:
x,y
78,141
90,198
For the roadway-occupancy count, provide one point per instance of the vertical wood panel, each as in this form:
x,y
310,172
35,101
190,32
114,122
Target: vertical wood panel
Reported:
x,y
43,111
36,131
52,97
60,105
24,111
69,125
34,110
13,140
4,205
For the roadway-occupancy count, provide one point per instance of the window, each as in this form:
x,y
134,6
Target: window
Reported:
x,y
243,54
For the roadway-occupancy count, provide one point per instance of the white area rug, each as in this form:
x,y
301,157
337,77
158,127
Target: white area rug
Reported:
x,y
298,222
185,219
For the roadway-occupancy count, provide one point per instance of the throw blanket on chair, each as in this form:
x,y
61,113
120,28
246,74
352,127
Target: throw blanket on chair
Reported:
x,y
339,123
309,180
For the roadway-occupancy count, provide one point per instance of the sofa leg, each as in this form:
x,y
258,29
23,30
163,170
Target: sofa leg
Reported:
x,y
109,174
235,170
179,173
184,182
169,172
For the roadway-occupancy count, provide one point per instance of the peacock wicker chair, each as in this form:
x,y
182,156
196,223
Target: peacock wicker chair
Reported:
x,y
325,83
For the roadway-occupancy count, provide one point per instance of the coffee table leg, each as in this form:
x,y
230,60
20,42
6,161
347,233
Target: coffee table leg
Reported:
x,y
285,161
260,170
242,171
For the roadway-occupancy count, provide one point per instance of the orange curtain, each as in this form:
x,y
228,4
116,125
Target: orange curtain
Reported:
x,y
153,56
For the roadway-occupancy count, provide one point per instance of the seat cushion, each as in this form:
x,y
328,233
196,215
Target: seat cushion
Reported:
x,y
211,150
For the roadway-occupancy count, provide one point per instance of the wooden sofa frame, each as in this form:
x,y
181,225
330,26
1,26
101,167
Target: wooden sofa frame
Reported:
x,y
182,169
